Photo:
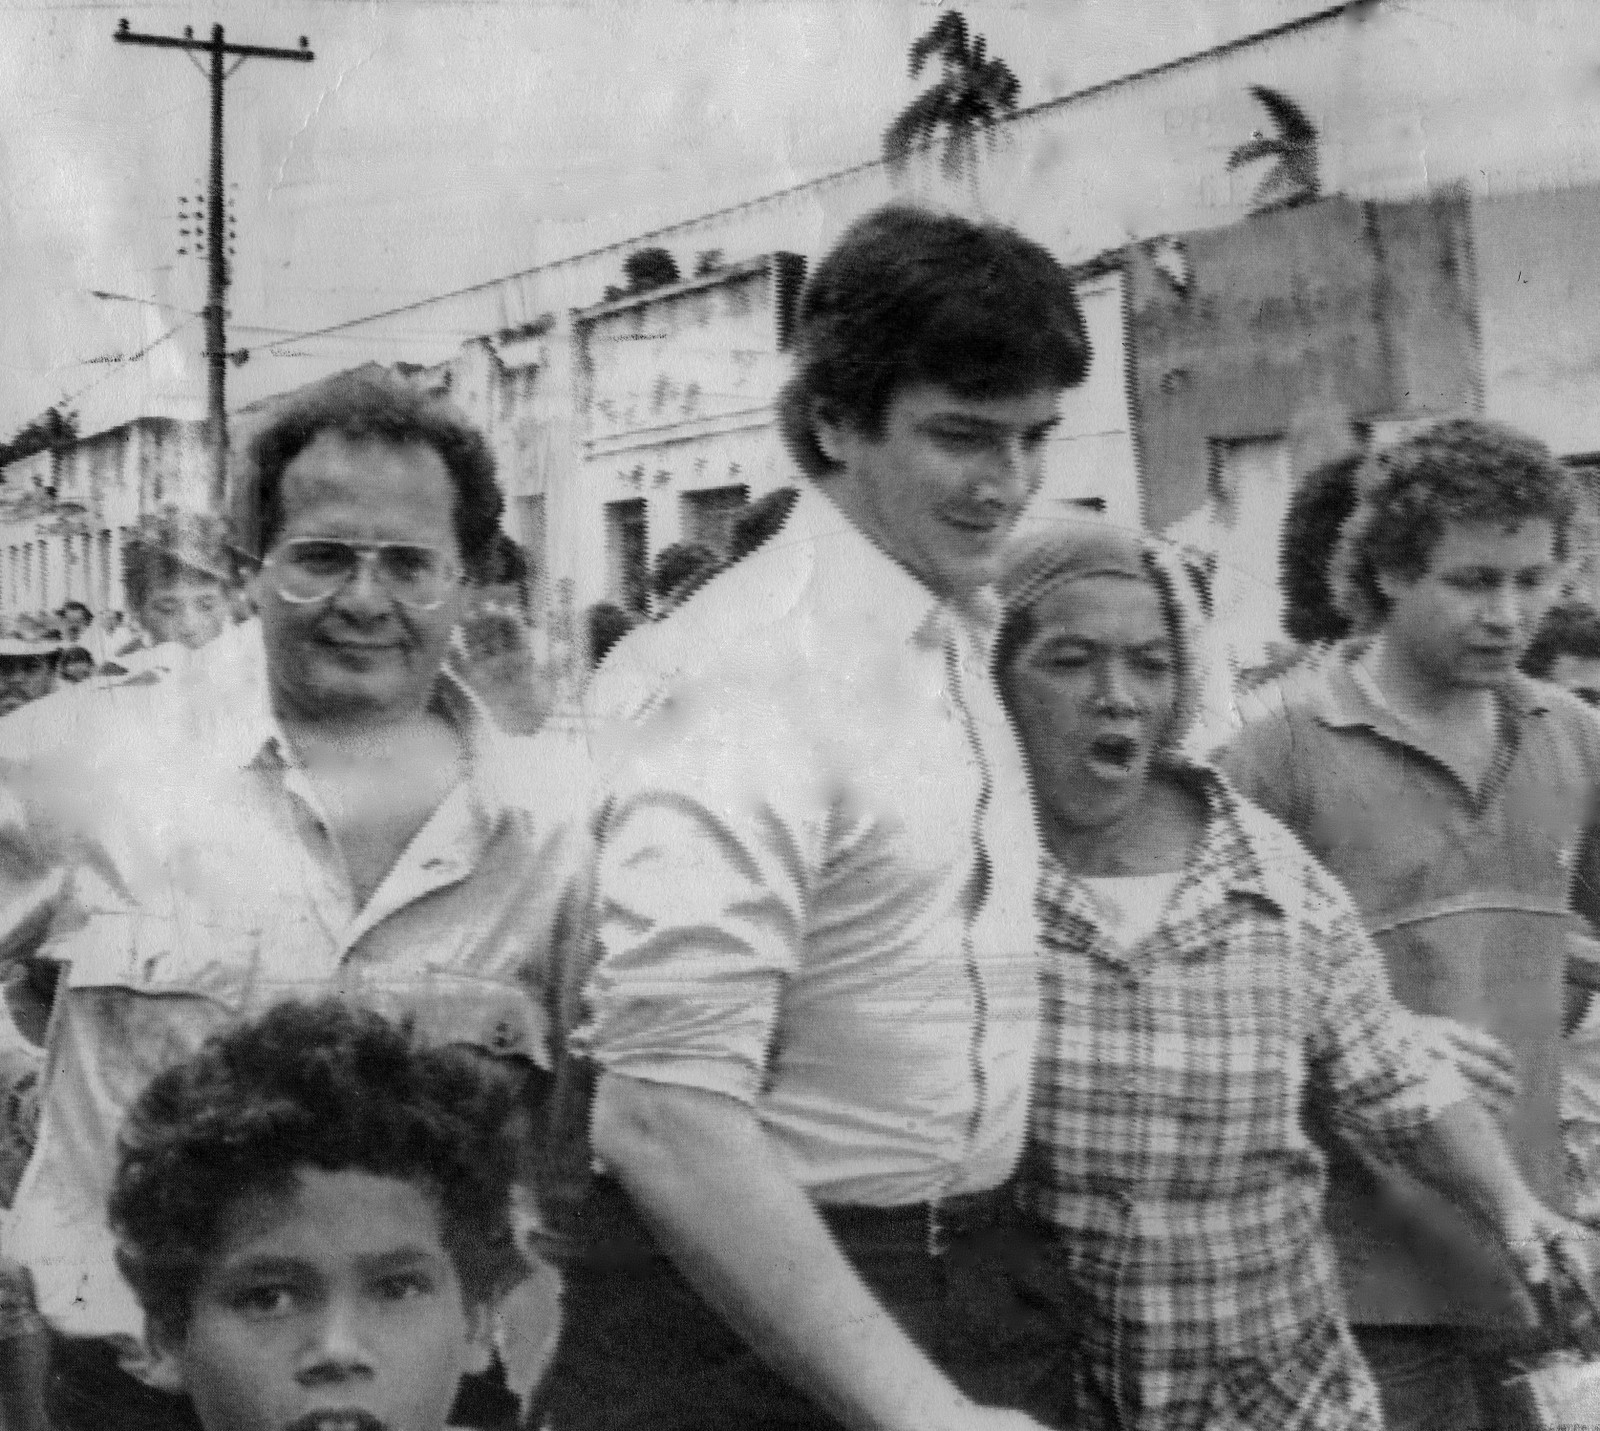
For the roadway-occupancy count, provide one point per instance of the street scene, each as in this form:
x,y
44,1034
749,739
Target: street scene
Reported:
x,y
800,714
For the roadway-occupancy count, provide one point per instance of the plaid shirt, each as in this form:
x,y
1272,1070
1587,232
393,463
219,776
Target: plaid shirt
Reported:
x,y
1167,1143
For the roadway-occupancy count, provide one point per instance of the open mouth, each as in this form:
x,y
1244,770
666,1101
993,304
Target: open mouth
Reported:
x,y
1113,755
337,1421
973,525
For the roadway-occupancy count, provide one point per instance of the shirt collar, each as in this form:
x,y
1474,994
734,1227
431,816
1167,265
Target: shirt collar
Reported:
x,y
857,574
1338,700
256,738
1229,859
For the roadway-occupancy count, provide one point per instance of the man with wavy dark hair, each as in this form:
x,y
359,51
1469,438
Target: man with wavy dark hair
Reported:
x,y
1450,794
329,810
314,1212
811,1028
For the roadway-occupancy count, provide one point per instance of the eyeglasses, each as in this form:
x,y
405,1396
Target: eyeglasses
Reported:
x,y
310,569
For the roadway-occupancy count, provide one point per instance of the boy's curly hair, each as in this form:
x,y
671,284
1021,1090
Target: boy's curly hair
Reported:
x,y
1462,470
325,1086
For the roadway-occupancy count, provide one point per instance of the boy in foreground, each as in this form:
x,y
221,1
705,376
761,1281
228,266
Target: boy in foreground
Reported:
x,y
314,1214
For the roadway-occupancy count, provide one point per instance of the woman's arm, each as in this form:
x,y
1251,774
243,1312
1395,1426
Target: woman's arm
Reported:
x,y
701,1171
1463,1155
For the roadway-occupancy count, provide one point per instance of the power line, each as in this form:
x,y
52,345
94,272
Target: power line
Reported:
x,y
115,366
1255,37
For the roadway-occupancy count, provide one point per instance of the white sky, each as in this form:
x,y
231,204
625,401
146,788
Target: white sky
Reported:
x,y
432,145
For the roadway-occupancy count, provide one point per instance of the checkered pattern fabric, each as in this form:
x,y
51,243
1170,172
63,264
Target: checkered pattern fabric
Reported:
x,y
1167,1145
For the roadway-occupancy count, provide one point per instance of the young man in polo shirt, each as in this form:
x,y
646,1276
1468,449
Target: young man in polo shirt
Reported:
x,y
1450,794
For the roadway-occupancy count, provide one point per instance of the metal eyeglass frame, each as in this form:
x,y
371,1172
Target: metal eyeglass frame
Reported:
x,y
368,555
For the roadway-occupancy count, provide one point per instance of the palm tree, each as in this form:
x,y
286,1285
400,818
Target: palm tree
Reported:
x,y
970,96
1293,179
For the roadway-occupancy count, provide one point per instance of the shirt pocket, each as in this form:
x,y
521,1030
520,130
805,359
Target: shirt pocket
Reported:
x,y
445,1007
164,958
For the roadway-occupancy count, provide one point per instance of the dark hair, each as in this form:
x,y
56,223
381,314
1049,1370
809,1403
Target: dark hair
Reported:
x,y
322,1086
1319,506
607,624
173,545
371,406
1463,470
684,564
76,605
1571,628
760,522
508,564
909,296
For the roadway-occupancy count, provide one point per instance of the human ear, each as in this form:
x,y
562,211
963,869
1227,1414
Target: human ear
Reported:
x,y
1390,583
831,434
163,1367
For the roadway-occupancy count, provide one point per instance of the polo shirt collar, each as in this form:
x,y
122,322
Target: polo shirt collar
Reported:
x,y
1336,697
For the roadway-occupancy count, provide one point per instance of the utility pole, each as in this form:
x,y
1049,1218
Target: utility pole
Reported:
x,y
217,249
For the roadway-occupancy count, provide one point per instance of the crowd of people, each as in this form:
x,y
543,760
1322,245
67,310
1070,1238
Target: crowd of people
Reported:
x,y
874,1012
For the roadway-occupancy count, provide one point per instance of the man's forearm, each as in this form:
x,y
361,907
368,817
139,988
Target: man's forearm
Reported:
x,y
703,1174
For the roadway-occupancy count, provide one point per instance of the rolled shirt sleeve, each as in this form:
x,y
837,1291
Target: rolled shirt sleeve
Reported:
x,y
702,892
1389,1072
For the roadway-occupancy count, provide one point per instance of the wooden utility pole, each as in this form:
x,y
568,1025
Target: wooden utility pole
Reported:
x,y
217,248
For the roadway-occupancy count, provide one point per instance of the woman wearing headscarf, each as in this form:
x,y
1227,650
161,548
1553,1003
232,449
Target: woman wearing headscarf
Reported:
x,y
1204,981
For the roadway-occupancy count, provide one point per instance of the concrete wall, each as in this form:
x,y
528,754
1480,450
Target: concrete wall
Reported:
x,y
1368,306
673,396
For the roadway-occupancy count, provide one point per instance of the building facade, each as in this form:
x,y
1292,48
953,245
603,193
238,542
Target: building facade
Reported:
x,y
65,514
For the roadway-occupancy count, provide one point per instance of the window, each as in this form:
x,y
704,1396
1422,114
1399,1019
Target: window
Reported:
x,y
628,555
709,515
102,588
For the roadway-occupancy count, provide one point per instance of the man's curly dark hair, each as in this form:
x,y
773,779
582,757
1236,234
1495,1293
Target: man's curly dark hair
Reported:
x,y
909,296
1319,506
1462,470
1571,628
324,1086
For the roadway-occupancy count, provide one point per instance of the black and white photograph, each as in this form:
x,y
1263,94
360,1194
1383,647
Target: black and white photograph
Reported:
x,y
799,715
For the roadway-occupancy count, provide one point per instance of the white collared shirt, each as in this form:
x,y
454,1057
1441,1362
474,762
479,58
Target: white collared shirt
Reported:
x,y
817,869
188,881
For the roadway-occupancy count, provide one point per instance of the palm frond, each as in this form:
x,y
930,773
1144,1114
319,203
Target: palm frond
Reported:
x,y
916,124
1252,149
947,36
1291,120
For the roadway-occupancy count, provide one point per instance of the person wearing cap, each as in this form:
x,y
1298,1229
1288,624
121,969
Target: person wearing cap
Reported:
x,y
811,1026
335,816
1206,983
27,671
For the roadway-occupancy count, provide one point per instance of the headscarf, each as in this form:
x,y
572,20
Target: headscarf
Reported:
x,y
1043,561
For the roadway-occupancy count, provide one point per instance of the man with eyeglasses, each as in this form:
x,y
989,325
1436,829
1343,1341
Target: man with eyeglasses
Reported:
x,y
347,821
